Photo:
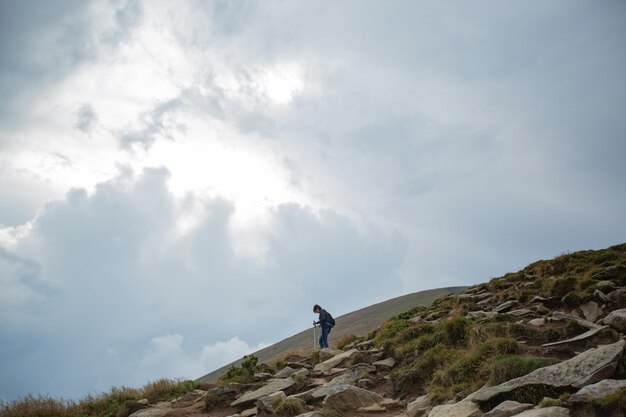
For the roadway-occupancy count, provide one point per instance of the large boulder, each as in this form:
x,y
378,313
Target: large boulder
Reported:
x,y
591,310
286,372
587,335
460,409
418,407
272,387
582,402
351,398
545,412
328,353
350,377
508,409
334,361
617,319
267,404
587,368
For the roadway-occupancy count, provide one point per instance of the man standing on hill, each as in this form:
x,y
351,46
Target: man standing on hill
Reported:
x,y
326,322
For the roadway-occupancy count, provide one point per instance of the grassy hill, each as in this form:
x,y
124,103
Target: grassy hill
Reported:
x,y
359,322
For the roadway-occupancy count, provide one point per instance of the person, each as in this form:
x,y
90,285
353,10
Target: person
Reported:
x,y
326,322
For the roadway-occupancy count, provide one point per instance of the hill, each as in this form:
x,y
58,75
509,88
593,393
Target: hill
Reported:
x,y
359,322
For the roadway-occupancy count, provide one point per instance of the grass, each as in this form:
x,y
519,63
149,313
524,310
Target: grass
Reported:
x,y
289,407
505,368
118,402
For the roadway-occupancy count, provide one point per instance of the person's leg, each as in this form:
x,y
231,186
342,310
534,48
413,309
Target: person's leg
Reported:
x,y
324,340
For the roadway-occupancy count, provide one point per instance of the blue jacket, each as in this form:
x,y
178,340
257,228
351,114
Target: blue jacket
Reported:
x,y
323,319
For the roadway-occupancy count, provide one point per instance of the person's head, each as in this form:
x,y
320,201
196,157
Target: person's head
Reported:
x,y
317,308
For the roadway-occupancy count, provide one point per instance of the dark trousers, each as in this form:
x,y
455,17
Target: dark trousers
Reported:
x,y
324,337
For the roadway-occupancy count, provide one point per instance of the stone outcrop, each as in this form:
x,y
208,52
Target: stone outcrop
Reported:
x,y
350,397
272,387
545,412
587,368
617,319
460,409
334,361
584,402
508,409
587,335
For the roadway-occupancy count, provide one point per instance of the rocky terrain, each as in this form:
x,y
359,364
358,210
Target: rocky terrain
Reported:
x,y
546,341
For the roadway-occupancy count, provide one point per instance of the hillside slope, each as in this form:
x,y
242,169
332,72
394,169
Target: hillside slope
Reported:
x,y
359,323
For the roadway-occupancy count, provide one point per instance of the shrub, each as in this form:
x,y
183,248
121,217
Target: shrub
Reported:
x,y
212,399
504,368
289,407
408,377
30,406
573,328
455,330
165,389
243,373
561,286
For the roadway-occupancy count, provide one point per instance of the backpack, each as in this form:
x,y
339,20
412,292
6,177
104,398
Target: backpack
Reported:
x,y
329,319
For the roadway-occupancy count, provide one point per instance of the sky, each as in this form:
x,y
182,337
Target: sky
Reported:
x,y
181,181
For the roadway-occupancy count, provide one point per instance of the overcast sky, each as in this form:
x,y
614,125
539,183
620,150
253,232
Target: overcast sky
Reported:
x,y
181,181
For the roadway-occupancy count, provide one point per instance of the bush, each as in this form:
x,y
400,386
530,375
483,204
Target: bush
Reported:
x,y
165,389
289,407
405,379
455,330
243,373
212,399
561,286
505,368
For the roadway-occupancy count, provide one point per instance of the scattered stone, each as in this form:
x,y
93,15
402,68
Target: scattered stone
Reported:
x,y
591,310
539,299
298,365
617,319
334,361
586,335
460,409
287,371
617,297
540,309
433,316
266,404
143,401
385,363
365,345
606,285
484,302
263,376
418,407
584,369
537,322
272,387
350,397
350,377
328,353
364,383
415,320
301,374
484,295
374,408
481,314
390,403
616,272
249,412
508,409
596,391
521,312
150,412
559,315
601,296
545,412
311,414
507,305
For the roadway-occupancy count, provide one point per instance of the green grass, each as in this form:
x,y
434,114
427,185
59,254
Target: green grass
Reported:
x,y
507,367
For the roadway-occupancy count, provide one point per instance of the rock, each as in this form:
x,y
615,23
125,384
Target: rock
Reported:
x,y
374,408
521,312
390,403
334,361
606,285
385,363
460,409
264,391
584,369
328,353
298,365
481,314
596,391
301,374
586,335
617,297
151,412
351,398
484,302
538,299
415,320
143,401
249,412
537,322
545,412
350,377
559,315
266,404
364,383
507,305
600,296
287,371
483,295
508,409
614,273
541,310
591,311
311,414
262,376
417,407
366,345
617,319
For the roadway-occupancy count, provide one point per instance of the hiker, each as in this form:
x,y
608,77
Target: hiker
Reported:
x,y
326,322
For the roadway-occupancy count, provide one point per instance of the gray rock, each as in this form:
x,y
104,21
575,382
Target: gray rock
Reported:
x,y
481,314
538,299
298,365
586,335
591,310
350,377
300,374
328,353
615,272
366,345
618,296
267,404
151,412
617,319
262,376
596,391
587,368
600,296
508,409
249,412
521,312
418,407
385,363
334,361
311,414
264,391
545,412
537,322
507,305
351,398
287,371
559,315
460,409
